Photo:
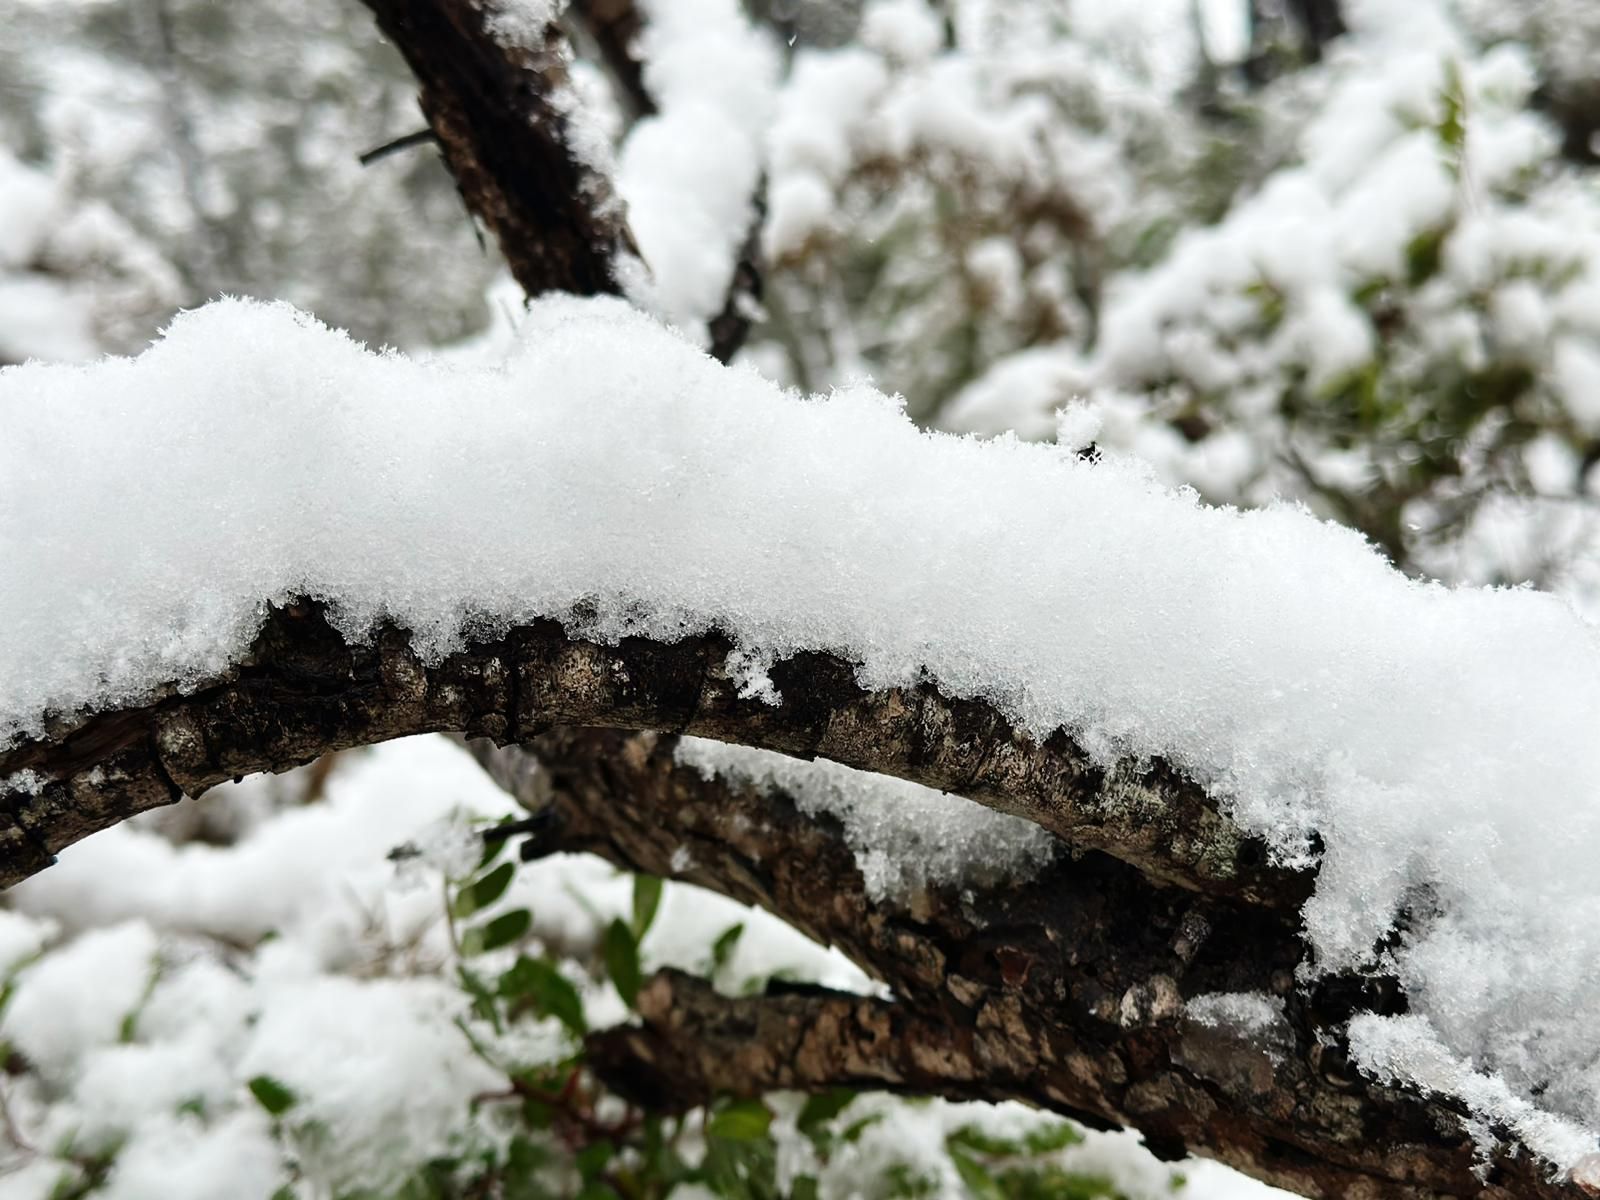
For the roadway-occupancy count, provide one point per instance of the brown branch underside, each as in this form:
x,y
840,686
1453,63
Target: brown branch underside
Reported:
x,y
303,691
1066,991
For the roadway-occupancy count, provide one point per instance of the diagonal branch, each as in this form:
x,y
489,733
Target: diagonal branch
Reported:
x,y
504,115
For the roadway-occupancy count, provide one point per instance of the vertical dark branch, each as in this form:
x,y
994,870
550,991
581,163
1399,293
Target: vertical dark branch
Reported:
x,y
731,326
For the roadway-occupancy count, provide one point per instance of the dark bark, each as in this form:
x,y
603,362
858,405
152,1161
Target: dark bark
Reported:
x,y
302,691
506,137
1065,991
497,113
731,326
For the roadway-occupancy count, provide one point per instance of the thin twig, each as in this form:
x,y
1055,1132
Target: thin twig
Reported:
x,y
405,142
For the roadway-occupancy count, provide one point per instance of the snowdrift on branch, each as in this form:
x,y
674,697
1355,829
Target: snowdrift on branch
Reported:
x,y
1432,749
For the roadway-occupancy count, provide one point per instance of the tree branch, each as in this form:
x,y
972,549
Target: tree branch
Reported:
x,y
695,1045
497,112
1067,991
302,691
614,27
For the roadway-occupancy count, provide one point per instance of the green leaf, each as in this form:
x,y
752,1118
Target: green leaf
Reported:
x,y
493,848
722,949
741,1121
854,1130
970,1137
482,998
592,1159
979,1182
804,1187
505,929
821,1108
547,990
1050,1138
482,892
622,961
646,899
272,1095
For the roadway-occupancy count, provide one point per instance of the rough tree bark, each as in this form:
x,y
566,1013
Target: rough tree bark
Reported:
x,y
1067,990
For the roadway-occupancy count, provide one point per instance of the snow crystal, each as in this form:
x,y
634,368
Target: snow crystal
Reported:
x,y
522,24
905,836
1438,741
1249,1012
1406,1049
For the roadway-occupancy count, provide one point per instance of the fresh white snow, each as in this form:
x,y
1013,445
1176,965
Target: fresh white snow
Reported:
x,y
689,172
1441,742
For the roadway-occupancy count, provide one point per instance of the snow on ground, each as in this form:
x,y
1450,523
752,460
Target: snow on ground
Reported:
x,y
1439,741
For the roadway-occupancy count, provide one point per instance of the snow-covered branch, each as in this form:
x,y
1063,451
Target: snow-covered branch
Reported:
x,y
611,529
1077,986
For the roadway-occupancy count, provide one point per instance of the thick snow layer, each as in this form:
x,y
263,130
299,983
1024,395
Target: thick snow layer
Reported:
x,y
1440,741
905,836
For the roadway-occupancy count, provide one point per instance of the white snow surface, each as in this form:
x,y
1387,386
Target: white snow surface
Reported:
x,y
688,173
522,24
1440,741
905,836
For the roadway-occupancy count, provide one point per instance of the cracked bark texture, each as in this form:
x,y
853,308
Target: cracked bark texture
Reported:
x,y
302,691
1066,991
